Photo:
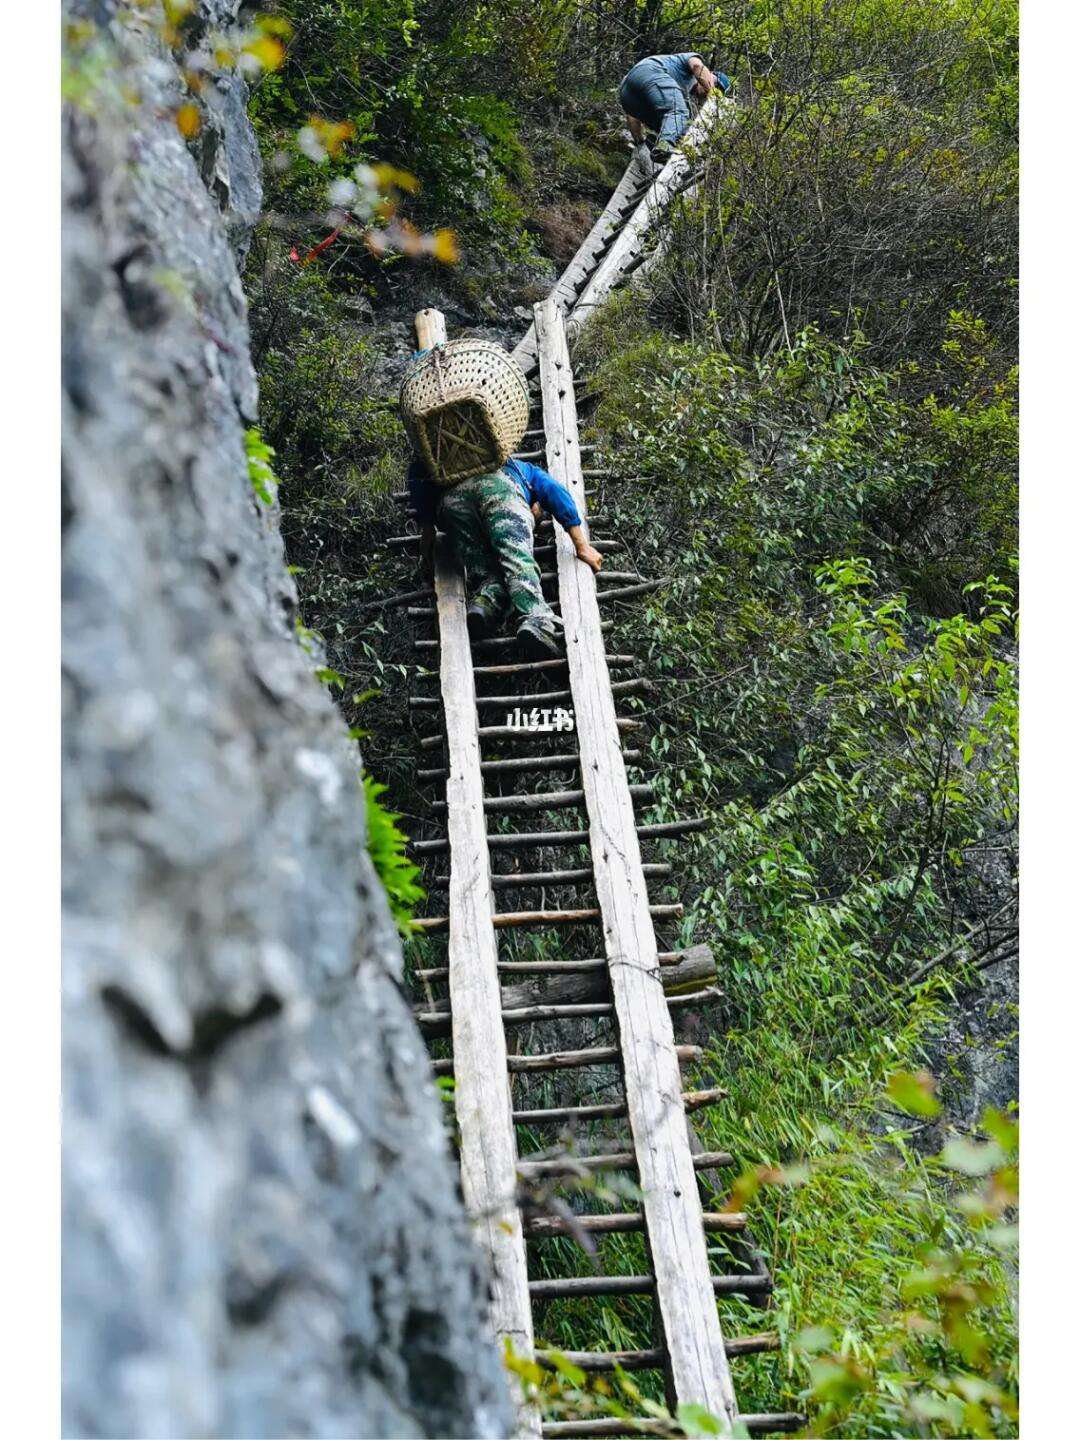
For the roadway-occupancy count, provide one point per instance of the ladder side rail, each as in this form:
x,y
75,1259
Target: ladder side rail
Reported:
x,y
629,244
699,1370
637,171
482,1097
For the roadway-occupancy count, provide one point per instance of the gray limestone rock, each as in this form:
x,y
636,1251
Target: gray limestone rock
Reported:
x,y
262,1232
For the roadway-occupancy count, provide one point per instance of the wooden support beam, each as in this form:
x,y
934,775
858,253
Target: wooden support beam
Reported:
x,y
488,1150
686,1305
430,326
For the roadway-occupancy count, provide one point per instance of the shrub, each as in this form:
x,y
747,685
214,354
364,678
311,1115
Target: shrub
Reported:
x,y
386,846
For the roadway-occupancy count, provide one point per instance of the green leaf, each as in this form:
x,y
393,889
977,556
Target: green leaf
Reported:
x,y
913,1092
696,1420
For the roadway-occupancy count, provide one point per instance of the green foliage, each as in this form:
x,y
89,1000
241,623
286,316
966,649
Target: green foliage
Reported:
x,y
386,846
931,1339
334,434
260,471
838,690
414,81
872,184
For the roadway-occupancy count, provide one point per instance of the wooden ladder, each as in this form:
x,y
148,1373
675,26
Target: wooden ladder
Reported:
x,y
634,985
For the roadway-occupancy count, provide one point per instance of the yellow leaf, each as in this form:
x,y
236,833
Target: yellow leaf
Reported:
x,y
389,176
274,25
444,247
267,51
332,134
188,121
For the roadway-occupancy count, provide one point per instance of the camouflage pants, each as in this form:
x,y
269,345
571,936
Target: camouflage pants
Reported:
x,y
490,526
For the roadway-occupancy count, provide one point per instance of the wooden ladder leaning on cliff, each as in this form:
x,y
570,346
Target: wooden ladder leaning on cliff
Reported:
x,y
632,984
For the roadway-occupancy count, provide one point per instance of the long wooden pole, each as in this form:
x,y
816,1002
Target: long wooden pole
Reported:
x,y
685,1296
482,1100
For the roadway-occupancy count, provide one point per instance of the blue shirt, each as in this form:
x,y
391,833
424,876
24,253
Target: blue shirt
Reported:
x,y
537,486
678,67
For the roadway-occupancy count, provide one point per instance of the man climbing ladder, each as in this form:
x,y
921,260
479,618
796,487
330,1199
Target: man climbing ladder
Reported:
x,y
489,520
656,94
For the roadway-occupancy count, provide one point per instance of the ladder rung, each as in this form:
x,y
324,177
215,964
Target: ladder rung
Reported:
x,y
544,800
524,763
428,612
766,1424
636,686
617,1159
575,1060
553,839
531,919
548,967
621,575
606,547
546,1227
613,1110
599,1360
587,1010
525,667
550,877
638,1285
512,732
541,697
501,642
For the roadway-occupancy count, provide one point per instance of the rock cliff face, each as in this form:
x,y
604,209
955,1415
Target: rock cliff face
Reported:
x,y
262,1234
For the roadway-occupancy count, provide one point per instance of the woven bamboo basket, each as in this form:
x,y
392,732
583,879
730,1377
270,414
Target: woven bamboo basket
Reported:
x,y
465,405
